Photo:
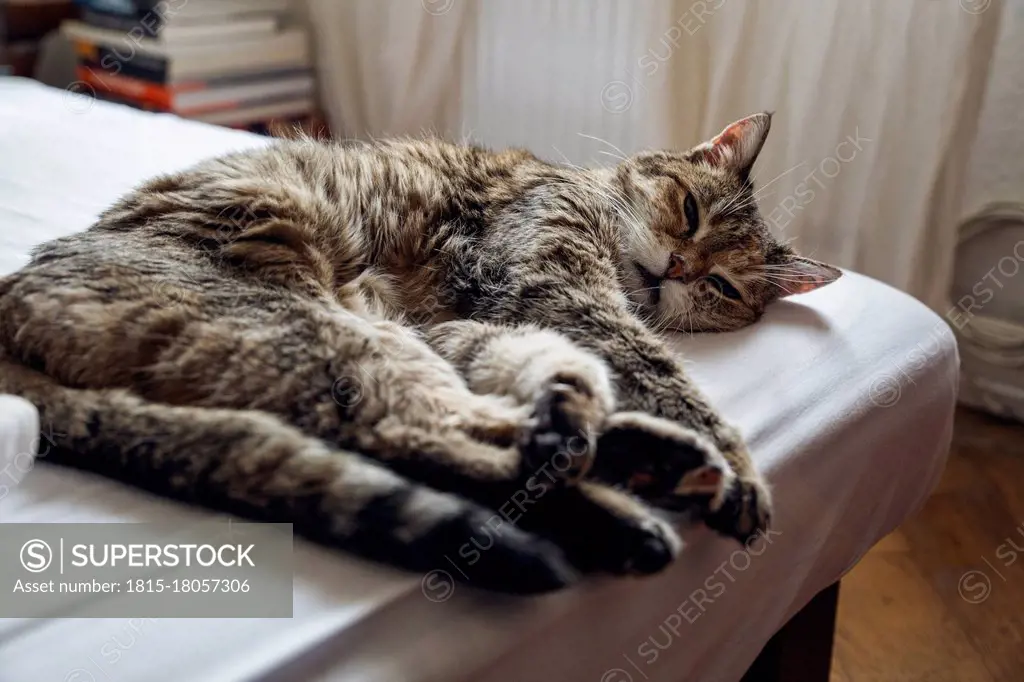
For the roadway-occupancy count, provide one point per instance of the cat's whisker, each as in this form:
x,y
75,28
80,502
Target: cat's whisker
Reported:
x,y
640,291
725,209
566,161
750,203
760,280
626,213
784,276
778,273
622,155
608,153
775,268
782,283
777,178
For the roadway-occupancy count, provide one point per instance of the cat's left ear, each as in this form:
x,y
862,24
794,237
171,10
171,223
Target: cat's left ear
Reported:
x,y
736,147
804,274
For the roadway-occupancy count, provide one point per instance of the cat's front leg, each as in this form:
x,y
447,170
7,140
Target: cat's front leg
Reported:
x,y
650,378
578,431
746,507
568,390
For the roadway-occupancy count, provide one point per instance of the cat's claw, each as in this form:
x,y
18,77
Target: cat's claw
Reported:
x,y
561,443
745,512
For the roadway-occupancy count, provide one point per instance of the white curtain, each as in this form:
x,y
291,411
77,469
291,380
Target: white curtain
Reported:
x,y
876,101
395,67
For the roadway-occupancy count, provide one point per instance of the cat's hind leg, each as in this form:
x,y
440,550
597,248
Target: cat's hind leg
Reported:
x,y
365,385
251,463
375,387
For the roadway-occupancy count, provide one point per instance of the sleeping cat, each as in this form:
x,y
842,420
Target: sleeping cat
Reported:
x,y
420,352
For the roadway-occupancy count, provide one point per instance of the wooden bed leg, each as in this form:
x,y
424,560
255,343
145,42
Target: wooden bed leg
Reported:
x,y
802,650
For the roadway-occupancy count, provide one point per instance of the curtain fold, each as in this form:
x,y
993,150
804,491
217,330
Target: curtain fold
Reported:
x,y
393,68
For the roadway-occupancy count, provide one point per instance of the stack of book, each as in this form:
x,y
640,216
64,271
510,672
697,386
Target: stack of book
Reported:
x,y
229,62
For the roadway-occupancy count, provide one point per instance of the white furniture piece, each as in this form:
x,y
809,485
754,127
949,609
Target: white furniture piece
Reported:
x,y
845,395
987,309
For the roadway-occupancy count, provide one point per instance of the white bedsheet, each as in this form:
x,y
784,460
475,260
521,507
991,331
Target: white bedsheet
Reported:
x,y
845,395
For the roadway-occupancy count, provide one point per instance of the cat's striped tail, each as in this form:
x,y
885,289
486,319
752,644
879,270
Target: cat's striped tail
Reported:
x,y
251,463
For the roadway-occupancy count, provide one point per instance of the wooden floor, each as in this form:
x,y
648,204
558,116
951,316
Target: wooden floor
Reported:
x,y
942,598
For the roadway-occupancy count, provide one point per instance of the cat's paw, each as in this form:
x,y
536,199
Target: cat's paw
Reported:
x,y
561,442
745,511
603,530
626,545
647,548
667,464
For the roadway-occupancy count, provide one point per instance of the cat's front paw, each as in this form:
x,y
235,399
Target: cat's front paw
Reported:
x,y
561,442
745,511
664,463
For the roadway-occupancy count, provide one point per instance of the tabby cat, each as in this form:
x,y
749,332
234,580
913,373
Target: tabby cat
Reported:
x,y
421,352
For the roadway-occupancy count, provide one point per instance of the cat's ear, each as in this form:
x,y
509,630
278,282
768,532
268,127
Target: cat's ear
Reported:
x,y
804,274
737,146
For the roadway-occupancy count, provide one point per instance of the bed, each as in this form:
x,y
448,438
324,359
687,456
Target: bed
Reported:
x,y
845,395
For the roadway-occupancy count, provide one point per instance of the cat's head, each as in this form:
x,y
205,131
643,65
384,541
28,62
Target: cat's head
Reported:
x,y
698,255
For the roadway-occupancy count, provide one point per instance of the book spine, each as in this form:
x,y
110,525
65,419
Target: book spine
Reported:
x,y
110,97
143,92
130,8
229,105
150,27
127,61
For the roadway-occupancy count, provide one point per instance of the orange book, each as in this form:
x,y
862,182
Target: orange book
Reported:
x,y
153,94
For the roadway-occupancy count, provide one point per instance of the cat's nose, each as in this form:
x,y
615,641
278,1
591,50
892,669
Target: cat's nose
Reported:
x,y
677,269
689,269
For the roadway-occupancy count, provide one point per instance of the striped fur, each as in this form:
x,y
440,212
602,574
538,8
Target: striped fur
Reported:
x,y
399,346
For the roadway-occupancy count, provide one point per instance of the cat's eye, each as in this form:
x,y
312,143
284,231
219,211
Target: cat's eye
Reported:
x,y
691,214
725,287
